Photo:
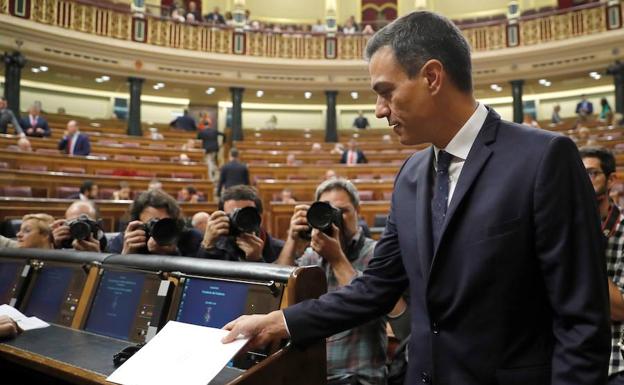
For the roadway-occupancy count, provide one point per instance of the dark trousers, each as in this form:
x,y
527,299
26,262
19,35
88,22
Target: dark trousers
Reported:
x,y
616,379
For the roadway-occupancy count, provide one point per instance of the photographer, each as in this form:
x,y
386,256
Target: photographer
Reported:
x,y
358,355
221,240
79,211
156,227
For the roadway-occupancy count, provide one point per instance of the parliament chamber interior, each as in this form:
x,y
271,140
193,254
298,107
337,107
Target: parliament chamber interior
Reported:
x,y
128,127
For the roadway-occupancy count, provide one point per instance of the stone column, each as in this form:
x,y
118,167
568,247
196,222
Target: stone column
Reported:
x,y
237,113
331,131
134,110
617,71
516,92
13,64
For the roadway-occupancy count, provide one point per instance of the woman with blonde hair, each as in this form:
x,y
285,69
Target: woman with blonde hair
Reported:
x,y
36,232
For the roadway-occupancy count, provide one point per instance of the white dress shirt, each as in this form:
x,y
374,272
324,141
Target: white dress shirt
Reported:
x,y
460,146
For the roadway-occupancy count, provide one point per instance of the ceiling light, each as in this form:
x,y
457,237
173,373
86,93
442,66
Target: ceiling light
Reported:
x,y
156,87
160,85
307,94
542,81
43,69
35,70
99,80
210,90
547,84
105,78
259,93
355,95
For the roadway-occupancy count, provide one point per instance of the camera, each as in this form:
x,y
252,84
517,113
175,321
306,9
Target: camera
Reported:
x,y
244,220
321,215
80,228
165,231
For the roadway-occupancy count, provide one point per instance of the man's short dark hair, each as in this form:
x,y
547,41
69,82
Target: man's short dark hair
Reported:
x,y
241,193
87,185
607,160
234,153
157,199
421,36
191,190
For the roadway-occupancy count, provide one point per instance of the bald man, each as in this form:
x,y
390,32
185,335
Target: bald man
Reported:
x,y
200,220
62,236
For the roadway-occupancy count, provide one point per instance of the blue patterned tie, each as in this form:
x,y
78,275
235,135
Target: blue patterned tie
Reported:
x,y
439,202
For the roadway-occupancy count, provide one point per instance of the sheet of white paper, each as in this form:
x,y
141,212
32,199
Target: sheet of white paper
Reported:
x,y
26,323
179,354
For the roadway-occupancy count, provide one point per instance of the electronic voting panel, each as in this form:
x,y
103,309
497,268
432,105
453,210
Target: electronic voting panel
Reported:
x,y
125,304
54,291
14,274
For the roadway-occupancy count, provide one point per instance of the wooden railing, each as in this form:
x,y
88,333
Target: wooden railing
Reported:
x,y
115,22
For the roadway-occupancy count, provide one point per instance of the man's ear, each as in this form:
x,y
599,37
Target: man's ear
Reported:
x,y
433,73
611,180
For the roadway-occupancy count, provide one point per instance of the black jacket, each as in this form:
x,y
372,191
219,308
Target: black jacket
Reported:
x,y
232,174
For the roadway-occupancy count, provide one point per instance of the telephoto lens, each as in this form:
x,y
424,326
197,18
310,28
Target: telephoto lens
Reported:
x,y
165,231
244,220
321,215
81,227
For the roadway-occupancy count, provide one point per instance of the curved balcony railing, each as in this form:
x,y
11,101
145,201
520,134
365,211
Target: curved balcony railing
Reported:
x,y
118,22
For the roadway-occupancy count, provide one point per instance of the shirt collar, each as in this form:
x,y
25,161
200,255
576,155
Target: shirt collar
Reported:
x,y
462,142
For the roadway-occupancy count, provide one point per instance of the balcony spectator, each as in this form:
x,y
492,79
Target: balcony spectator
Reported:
x,y
34,124
192,9
214,17
176,16
349,28
190,18
368,30
318,27
555,118
606,113
6,117
36,232
73,142
229,19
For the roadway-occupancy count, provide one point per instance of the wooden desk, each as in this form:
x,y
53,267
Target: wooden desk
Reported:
x,y
44,184
110,211
317,172
92,164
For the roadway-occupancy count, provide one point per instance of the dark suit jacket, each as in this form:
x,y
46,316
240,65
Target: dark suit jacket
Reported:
x,y
83,145
233,173
214,17
514,293
210,139
361,158
589,106
185,123
41,122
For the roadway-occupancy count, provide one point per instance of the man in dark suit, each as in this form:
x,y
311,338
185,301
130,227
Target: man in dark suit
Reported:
x,y
73,142
494,229
184,122
584,108
352,155
7,116
34,124
233,173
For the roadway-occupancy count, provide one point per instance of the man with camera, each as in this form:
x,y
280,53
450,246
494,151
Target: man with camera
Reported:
x,y
156,227
336,244
234,231
80,229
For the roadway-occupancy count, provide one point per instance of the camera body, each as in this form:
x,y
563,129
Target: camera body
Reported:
x,y
165,231
321,216
244,220
81,228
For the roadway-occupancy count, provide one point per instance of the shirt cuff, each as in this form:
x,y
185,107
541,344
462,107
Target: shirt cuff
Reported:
x,y
285,324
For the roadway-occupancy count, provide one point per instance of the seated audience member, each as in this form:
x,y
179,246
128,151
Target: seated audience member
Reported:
x,y
7,243
74,142
219,244
529,121
83,210
188,194
124,193
233,173
316,148
338,149
291,160
8,327
359,354
584,108
146,209
23,145
35,232
286,196
330,174
555,118
352,155
7,116
200,220
88,191
34,124
184,122
155,135
361,122
154,184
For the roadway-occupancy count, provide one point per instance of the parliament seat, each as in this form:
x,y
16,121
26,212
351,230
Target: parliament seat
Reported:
x,y
65,192
72,170
33,167
17,191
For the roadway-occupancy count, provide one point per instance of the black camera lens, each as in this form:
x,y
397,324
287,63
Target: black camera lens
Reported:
x,y
164,231
321,215
81,227
245,220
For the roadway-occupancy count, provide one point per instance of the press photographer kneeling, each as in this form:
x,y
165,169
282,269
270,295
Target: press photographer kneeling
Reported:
x,y
80,230
156,227
235,233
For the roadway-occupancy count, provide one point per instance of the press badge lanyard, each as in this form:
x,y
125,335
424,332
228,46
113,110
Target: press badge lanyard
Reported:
x,y
609,225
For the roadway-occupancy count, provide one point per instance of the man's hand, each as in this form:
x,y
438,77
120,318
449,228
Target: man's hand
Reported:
x,y
89,244
218,224
134,238
298,225
8,327
252,245
39,130
29,131
328,247
60,232
155,248
260,329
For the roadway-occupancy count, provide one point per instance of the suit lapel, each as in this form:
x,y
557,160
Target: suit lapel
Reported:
x,y
477,158
423,212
